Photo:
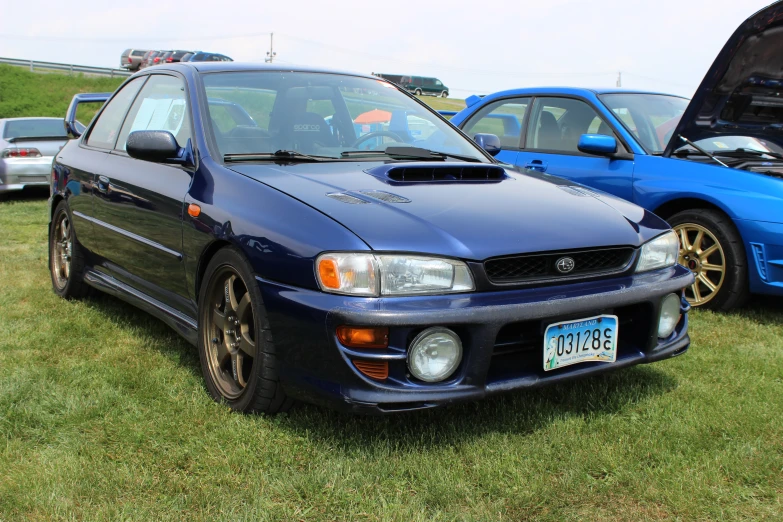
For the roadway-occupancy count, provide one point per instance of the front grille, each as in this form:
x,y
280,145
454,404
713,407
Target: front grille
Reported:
x,y
532,267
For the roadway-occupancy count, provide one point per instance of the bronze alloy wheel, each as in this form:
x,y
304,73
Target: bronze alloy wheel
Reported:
x,y
230,331
62,251
702,253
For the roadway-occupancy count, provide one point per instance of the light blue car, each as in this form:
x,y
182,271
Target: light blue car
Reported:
x,y
711,166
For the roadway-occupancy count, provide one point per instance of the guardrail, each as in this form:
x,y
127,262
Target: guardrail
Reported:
x,y
70,68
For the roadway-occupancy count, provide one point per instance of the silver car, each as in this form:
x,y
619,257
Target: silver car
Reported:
x,y
27,147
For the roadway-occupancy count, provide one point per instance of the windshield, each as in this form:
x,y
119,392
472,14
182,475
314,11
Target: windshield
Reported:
x,y
651,118
322,115
34,129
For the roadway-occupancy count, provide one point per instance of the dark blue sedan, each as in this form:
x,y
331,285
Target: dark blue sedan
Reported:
x,y
326,237
711,166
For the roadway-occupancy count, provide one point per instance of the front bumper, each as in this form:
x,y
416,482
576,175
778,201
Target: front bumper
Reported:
x,y
764,249
18,173
315,368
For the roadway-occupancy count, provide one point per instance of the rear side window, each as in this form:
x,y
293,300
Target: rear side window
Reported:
x,y
502,118
161,105
34,129
138,53
558,123
104,133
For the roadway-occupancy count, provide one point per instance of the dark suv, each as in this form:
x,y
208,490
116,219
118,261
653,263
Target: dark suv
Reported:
x,y
420,85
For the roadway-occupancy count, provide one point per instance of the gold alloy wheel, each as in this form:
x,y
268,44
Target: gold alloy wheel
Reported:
x,y
231,336
701,252
62,248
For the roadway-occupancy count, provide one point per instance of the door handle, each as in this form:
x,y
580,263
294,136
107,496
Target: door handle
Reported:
x,y
538,165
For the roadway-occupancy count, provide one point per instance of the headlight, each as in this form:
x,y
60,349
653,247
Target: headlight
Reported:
x,y
387,274
659,252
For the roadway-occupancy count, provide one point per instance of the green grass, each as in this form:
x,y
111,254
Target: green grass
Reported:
x,y
104,416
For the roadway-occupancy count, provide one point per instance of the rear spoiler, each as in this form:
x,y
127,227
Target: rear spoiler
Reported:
x,y
71,125
36,138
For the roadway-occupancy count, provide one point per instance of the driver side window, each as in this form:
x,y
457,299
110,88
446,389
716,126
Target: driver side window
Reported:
x,y
161,105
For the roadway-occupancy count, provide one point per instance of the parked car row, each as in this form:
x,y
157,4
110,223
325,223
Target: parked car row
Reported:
x,y
326,237
136,59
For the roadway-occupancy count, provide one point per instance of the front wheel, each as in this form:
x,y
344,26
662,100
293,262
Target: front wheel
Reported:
x,y
712,248
238,357
418,92
444,94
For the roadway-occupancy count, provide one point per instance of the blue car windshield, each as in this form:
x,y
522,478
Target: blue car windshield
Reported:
x,y
651,118
321,114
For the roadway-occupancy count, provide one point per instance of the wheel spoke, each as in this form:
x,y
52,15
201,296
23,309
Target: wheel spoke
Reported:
x,y
246,344
230,295
712,268
706,282
698,240
236,363
684,243
711,250
696,292
243,304
222,353
219,319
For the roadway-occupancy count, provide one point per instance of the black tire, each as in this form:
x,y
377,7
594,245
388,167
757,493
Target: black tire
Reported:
x,y
733,292
262,391
66,256
417,92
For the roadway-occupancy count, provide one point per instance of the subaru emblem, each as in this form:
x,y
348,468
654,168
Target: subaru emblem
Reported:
x,y
564,265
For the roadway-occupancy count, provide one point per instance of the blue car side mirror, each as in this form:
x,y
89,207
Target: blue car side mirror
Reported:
x,y
597,144
488,142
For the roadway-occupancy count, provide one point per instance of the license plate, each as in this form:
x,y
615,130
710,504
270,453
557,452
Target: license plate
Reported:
x,y
574,342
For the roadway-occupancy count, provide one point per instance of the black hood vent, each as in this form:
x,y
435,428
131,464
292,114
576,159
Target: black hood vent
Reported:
x,y
437,173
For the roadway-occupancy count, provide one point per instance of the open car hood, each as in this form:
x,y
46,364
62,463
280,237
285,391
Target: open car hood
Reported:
x,y
742,93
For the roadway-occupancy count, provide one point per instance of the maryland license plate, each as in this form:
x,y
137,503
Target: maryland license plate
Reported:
x,y
574,342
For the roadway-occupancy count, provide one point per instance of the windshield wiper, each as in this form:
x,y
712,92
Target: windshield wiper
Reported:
x,y
740,152
409,153
699,149
288,155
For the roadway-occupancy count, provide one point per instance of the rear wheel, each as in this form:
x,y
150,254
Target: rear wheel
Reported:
x,y
66,257
238,357
712,248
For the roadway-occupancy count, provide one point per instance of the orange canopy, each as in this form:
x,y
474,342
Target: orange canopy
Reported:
x,y
373,116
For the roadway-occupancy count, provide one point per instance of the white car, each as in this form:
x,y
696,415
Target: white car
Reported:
x,y
27,147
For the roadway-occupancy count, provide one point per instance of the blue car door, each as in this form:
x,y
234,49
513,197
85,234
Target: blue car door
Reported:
x,y
505,118
550,145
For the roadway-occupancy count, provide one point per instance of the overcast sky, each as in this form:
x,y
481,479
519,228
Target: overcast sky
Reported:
x,y
473,47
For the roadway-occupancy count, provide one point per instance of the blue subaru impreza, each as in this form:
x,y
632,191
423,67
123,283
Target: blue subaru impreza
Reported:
x,y
326,237
712,167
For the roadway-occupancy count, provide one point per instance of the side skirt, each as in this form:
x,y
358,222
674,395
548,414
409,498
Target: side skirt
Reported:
x,y
186,326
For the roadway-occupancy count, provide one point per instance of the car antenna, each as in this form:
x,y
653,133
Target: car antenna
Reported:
x,y
709,155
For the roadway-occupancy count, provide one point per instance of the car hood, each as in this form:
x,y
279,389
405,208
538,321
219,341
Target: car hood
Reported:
x,y
475,220
741,93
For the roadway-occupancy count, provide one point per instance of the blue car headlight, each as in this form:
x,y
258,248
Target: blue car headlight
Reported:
x,y
391,274
659,252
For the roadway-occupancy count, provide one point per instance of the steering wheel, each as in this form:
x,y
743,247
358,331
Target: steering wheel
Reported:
x,y
378,134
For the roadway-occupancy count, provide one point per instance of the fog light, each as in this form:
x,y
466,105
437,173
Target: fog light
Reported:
x,y
670,315
434,354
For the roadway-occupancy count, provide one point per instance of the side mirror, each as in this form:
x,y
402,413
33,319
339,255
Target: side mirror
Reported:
x,y
598,144
488,142
153,145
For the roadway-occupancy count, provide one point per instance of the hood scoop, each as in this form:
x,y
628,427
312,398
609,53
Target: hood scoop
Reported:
x,y
439,173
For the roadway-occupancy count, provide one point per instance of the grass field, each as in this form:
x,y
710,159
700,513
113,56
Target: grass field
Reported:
x,y
104,415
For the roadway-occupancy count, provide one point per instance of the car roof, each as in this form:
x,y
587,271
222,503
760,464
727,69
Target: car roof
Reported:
x,y
575,91
208,67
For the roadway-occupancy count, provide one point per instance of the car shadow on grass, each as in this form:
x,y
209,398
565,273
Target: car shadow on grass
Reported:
x,y
763,309
519,412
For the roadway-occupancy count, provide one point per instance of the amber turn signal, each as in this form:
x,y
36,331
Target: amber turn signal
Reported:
x,y
327,270
373,369
363,336
194,210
